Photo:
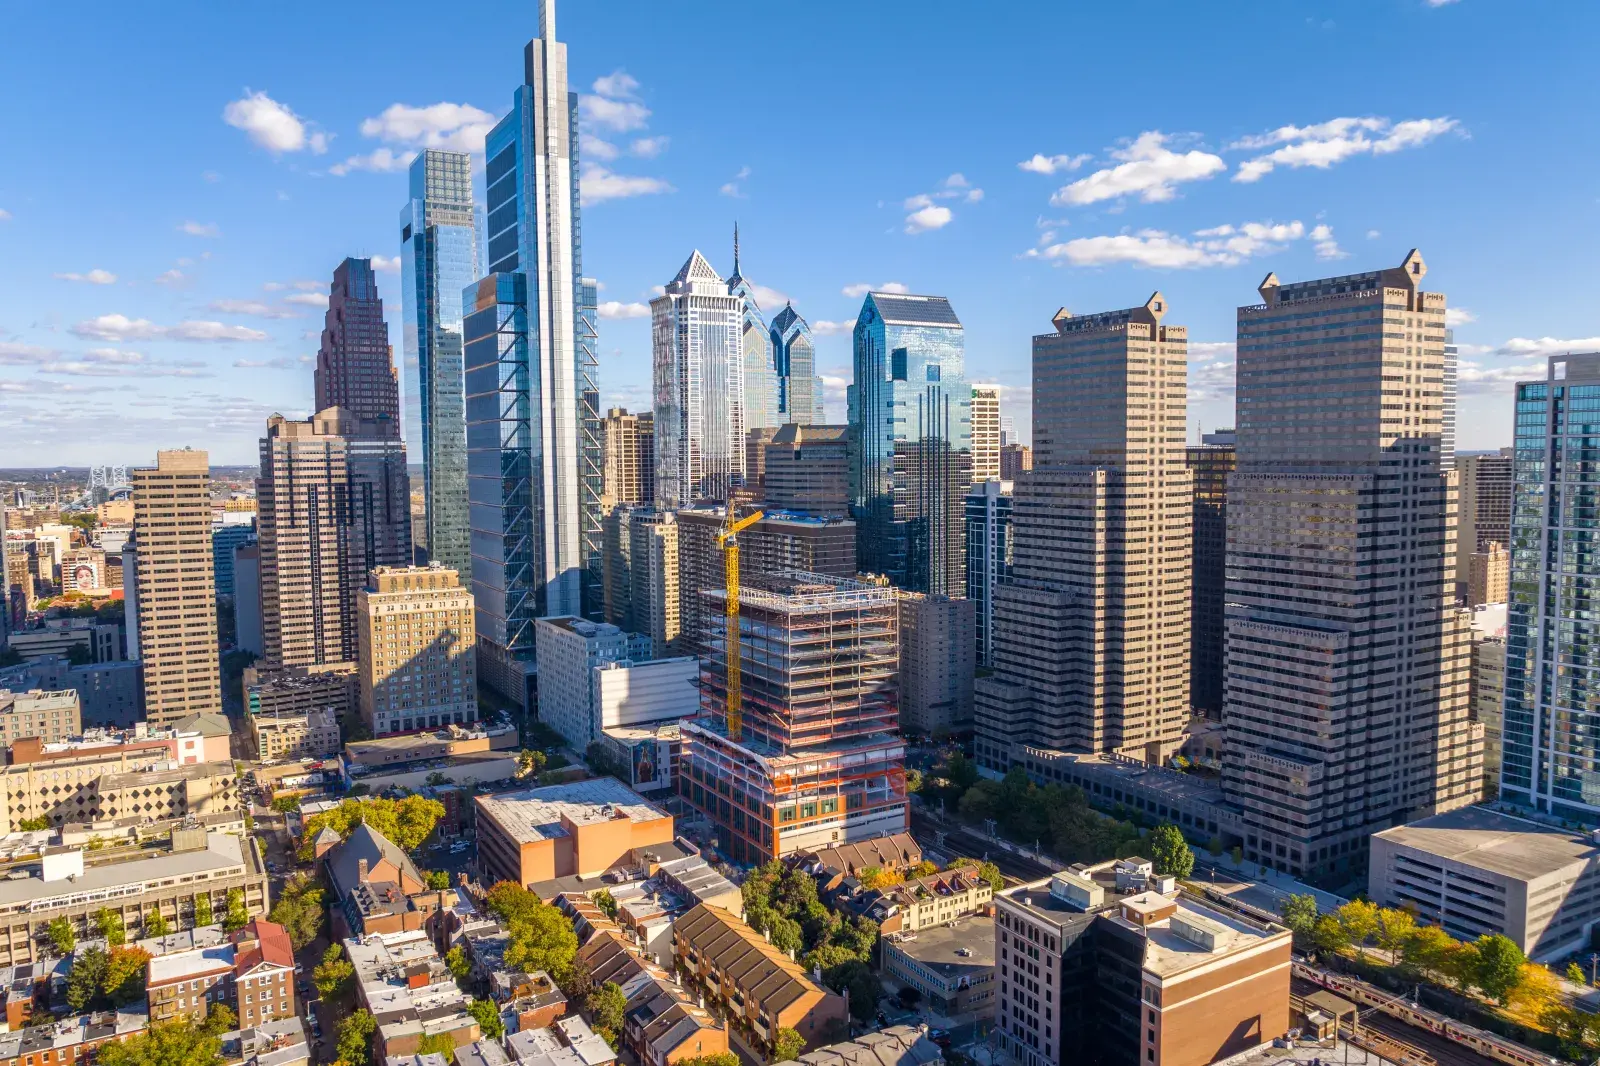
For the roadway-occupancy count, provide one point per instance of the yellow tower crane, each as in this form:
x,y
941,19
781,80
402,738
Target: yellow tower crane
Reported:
x,y
728,541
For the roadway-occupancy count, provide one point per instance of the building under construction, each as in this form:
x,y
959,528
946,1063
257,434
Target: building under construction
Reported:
x,y
815,758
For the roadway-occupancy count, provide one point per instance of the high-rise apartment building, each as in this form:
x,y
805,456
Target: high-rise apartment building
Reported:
x,y
1210,463
1015,460
5,579
938,657
1489,685
985,433
334,502
794,357
760,374
355,365
818,761
569,650
1489,575
641,575
416,650
696,344
630,458
438,260
1345,701
1550,743
1483,516
807,469
1091,634
539,335
911,412
175,586
1008,430
988,557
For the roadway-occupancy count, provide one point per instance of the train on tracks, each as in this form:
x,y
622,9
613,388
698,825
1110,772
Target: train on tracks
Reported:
x,y
1365,995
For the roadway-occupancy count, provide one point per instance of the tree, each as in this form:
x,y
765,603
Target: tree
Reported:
x,y
220,1018
333,974
721,1058
1300,915
1537,991
878,877
1214,847
1328,935
155,923
1575,973
1428,949
237,917
787,1045
1394,929
86,980
125,974
607,903
406,822
437,879
456,960
605,1005
1237,855
438,1044
1170,851
1499,967
62,936
355,1038
923,869
530,762
542,938
865,987
285,804
111,927
202,909
487,1016
1461,964
913,780
1360,920
33,825
169,1044
299,909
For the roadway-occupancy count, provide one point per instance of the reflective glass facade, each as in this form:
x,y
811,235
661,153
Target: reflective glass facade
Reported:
x,y
794,361
439,259
1551,742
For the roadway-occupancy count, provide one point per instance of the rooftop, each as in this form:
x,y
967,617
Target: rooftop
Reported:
x,y
182,965
223,853
900,309
940,947
196,772
537,813
1499,843
898,1045
1196,935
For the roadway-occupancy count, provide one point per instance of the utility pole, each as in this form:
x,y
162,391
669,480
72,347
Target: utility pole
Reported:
x,y
1593,958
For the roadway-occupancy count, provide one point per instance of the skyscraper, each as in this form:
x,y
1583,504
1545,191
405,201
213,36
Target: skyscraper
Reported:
x,y
1210,463
794,357
1550,751
355,365
334,503
985,433
1091,634
439,259
696,344
1484,514
762,405
911,412
531,178
988,555
1347,674
630,458
808,470
416,650
175,592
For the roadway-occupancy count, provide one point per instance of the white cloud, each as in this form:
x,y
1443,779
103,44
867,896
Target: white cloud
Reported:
x,y
599,184
93,277
200,229
658,290
5,216
618,309
823,328
623,116
171,277
1326,143
733,188
282,362
1543,346
956,181
386,264
1458,316
15,353
861,288
1225,245
1474,378
379,161
1148,168
272,125
249,307
925,215
618,85
769,298
649,147
1051,164
308,299
1373,234
590,146
447,126
123,328
210,176
118,362
1440,3
1327,247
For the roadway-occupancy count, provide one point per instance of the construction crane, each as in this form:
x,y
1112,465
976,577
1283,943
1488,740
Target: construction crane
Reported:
x,y
728,541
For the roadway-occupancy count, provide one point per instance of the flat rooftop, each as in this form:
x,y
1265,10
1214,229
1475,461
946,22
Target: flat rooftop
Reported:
x,y
939,948
536,813
1513,848
223,854
185,964
1167,953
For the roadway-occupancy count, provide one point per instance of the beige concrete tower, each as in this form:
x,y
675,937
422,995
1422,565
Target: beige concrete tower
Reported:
x,y
176,589
1347,670
1091,635
416,650
630,458
985,433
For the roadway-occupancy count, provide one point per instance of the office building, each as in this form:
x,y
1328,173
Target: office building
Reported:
x,y
417,651
582,829
938,660
794,356
761,387
1488,690
175,586
50,716
109,694
697,330
988,557
305,735
225,540
655,595
569,649
1483,515
1489,575
247,599
1476,872
777,542
911,464
5,579
1210,463
755,463
806,469
817,758
985,433
1133,966
548,329
1550,758
1345,695
335,504
438,261
630,459
355,365
1008,431
1091,634
951,963
1015,460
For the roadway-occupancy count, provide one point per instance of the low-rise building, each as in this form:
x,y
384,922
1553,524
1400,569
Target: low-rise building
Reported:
x,y
461,755
376,887
924,902
951,965
204,738
754,981
72,1042
410,991
647,755
284,1042
898,1045
186,984
263,973
578,830
895,853
277,737
1475,871
204,788
50,716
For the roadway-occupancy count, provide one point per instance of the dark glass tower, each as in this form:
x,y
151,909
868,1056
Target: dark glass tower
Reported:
x,y
355,365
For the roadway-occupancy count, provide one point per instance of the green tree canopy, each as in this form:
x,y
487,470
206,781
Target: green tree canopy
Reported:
x,y
437,879
238,916
1300,915
202,909
300,909
542,938
1360,920
155,923
125,974
606,902
1170,852
487,1016
355,1037
865,988
606,1005
111,927
722,1058
787,1045
86,980
407,822
438,1044
333,974
33,825
179,1043
220,1018
1499,969
62,936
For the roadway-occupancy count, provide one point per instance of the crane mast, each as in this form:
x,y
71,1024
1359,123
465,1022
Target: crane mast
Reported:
x,y
728,541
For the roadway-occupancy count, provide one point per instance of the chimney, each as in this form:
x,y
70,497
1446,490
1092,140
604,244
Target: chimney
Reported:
x,y
361,869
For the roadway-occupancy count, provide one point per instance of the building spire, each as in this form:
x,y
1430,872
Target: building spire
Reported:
x,y
736,248
547,20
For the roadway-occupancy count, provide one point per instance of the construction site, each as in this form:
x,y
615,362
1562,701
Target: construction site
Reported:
x,y
798,745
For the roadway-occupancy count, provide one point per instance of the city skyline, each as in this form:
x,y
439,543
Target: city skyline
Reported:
x,y
258,191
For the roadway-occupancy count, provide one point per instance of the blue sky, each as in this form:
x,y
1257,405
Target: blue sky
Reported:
x,y
178,180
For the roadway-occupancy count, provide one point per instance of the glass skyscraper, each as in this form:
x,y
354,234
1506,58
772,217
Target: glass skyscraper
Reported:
x,y
761,405
439,259
1550,756
911,409
794,359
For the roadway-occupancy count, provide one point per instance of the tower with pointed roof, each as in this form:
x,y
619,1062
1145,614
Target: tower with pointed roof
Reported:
x,y
697,348
760,382
794,359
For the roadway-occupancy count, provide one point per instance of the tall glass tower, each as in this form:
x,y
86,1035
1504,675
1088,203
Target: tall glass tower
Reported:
x,y
531,177
761,405
438,259
794,357
911,410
